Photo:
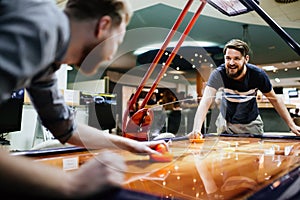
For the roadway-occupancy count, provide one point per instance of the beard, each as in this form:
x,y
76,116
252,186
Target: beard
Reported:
x,y
234,74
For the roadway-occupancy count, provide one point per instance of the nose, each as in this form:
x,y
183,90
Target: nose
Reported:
x,y
231,61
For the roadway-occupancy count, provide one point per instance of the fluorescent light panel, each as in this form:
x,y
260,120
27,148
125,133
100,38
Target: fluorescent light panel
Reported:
x,y
269,68
173,44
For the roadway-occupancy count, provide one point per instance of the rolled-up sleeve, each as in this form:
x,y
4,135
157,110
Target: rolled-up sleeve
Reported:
x,y
49,103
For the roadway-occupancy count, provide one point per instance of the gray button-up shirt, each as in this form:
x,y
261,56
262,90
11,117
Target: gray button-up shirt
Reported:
x,y
33,35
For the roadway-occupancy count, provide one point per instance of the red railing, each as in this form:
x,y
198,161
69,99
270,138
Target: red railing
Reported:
x,y
137,126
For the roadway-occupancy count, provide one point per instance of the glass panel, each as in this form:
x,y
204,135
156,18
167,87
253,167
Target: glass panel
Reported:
x,y
230,7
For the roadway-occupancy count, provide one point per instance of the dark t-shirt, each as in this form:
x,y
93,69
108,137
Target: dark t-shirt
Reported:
x,y
238,104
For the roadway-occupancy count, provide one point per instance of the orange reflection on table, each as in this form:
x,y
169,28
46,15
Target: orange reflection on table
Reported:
x,y
224,169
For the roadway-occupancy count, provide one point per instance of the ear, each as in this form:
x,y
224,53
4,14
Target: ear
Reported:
x,y
103,25
247,58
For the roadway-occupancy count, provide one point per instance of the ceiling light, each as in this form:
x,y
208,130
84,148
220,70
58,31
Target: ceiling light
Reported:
x,y
175,72
173,44
176,77
277,80
269,68
286,63
148,90
271,47
69,68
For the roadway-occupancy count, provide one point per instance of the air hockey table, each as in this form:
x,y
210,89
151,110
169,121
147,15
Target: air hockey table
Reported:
x,y
220,167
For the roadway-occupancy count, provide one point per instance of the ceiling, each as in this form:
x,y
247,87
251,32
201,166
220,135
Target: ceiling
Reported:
x,y
152,21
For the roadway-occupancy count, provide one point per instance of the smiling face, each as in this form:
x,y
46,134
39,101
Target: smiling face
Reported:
x,y
235,63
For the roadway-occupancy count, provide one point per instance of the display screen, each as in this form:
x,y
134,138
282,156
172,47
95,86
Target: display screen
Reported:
x,y
293,93
11,112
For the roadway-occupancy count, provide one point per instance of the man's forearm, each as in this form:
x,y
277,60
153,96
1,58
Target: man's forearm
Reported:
x,y
93,138
24,177
201,114
281,109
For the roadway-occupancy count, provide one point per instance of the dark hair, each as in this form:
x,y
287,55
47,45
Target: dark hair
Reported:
x,y
95,9
238,45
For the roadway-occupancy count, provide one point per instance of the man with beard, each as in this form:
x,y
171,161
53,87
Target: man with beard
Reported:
x,y
239,82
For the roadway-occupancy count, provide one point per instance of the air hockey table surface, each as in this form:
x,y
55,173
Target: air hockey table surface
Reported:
x,y
218,168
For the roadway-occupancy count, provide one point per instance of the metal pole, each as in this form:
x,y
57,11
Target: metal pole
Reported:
x,y
280,31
